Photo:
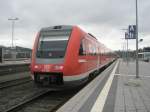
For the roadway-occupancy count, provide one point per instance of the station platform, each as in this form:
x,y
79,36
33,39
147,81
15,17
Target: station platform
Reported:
x,y
6,63
115,90
15,76
13,70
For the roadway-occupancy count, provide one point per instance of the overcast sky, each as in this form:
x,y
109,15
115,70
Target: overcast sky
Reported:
x,y
102,18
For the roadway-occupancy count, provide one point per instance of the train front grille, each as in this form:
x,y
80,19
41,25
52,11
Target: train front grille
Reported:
x,y
48,78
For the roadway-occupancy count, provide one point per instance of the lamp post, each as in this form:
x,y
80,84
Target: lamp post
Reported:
x,y
13,24
12,44
137,62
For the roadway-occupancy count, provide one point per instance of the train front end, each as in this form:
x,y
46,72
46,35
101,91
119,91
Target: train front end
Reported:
x,y
48,55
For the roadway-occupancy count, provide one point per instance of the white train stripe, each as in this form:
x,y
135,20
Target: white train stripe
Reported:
x,y
77,77
80,76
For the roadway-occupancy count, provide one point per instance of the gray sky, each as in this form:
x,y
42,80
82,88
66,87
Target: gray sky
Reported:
x,y
102,18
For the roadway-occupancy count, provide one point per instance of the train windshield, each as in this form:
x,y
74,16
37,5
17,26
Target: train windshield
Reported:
x,y
52,46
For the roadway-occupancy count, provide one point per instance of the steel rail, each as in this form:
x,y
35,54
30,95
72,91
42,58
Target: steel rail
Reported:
x,y
30,99
15,82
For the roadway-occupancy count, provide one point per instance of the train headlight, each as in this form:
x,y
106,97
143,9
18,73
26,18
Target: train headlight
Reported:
x,y
58,67
36,66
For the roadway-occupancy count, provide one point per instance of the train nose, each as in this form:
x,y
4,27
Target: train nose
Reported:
x,y
48,68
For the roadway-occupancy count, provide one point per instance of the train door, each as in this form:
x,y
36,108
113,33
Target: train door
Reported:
x,y
82,55
98,57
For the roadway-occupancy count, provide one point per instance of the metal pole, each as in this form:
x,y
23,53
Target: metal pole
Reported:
x,y
124,51
13,23
12,44
137,62
127,52
13,27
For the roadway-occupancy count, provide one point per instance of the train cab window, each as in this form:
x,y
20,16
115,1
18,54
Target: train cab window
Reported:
x,y
52,49
52,45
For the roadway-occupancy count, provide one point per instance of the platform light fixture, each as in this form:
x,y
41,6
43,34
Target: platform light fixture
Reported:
x,y
13,27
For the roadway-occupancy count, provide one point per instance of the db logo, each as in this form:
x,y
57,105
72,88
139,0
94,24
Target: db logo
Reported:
x,y
47,68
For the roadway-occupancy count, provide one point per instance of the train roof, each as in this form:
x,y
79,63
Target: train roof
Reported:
x,y
62,27
59,27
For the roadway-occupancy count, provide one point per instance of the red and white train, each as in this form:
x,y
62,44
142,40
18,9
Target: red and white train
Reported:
x,y
66,55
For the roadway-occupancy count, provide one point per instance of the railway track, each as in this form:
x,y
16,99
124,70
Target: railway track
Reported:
x,y
13,95
46,101
15,82
30,98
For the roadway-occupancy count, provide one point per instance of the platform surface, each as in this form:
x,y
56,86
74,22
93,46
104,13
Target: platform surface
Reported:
x,y
132,95
124,93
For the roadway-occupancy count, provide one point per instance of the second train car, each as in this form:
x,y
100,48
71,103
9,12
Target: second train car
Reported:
x,y
66,55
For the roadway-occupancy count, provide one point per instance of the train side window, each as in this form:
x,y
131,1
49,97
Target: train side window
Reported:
x,y
82,49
